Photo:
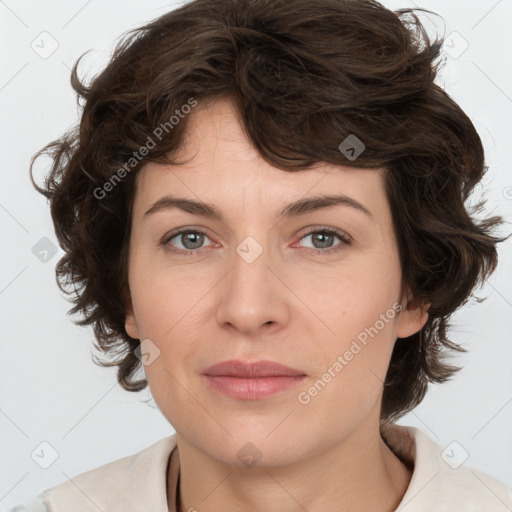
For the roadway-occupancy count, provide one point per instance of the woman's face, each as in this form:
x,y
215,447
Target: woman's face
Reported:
x,y
261,286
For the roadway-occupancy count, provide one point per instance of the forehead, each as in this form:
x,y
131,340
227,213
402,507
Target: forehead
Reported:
x,y
222,166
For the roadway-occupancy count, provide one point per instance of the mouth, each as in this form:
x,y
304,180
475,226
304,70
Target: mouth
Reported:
x,y
252,380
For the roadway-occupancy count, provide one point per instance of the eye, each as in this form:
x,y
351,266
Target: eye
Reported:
x,y
322,239
191,240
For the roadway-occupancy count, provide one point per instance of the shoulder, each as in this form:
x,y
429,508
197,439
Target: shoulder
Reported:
x,y
124,484
440,481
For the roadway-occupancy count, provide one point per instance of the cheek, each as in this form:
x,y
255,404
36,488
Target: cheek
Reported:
x,y
164,301
361,313
350,377
358,300
170,311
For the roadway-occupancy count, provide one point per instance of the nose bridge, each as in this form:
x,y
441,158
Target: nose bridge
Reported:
x,y
252,296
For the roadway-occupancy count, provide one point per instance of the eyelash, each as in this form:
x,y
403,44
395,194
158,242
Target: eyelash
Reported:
x,y
345,239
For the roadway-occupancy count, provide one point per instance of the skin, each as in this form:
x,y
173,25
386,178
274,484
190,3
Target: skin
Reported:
x,y
295,304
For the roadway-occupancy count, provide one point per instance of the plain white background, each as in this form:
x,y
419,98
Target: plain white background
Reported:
x,y
50,391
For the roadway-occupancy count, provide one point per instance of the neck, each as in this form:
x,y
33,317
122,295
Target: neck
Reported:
x,y
357,474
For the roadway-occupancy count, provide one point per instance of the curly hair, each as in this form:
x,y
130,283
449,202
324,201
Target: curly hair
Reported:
x,y
302,80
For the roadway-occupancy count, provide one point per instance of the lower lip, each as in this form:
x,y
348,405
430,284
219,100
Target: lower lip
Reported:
x,y
252,389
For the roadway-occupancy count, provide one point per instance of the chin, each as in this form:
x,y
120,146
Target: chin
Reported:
x,y
258,444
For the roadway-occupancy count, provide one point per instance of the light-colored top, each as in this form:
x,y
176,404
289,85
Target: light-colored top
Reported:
x,y
138,483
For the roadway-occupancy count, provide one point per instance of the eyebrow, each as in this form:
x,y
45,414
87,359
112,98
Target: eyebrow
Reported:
x,y
294,209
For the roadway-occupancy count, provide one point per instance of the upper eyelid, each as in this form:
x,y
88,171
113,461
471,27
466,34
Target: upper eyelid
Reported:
x,y
308,231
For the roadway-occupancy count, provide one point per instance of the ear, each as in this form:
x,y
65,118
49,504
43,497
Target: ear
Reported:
x,y
130,324
412,318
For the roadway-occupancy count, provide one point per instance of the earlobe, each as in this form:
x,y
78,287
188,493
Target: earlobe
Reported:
x,y
412,318
130,324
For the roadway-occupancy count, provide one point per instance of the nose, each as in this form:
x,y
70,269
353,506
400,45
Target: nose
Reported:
x,y
254,295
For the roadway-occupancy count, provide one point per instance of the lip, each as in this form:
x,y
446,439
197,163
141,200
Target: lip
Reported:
x,y
252,380
251,370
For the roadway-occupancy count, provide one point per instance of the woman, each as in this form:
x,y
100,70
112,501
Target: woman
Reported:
x,y
263,208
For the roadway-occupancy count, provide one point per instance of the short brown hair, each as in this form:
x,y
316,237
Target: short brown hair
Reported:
x,y
303,77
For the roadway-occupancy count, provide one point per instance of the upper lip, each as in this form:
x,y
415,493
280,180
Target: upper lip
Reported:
x,y
254,369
